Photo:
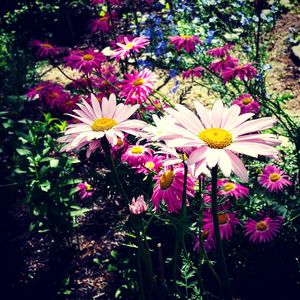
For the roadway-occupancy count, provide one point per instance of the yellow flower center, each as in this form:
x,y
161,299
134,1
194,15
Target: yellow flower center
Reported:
x,y
223,218
246,101
138,82
274,177
216,138
103,124
46,45
183,156
87,57
136,150
103,19
129,46
166,179
53,95
149,165
186,36
228,186
261,226
39,88
88,187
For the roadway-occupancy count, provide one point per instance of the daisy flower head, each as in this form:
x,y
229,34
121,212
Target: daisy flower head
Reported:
x,y
223,64
264,230
130,46
169,187
243,72
151,164
95,122
137,155
138,205
85,60
38,90
84,190
209,242
137,86
220,51
195,72
247,104
219,134
103,23
55,96
186,42
227,189
274,179
45,49
227,224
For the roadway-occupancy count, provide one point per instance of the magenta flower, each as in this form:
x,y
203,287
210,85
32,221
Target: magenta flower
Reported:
x,y
55,96
273,179
38,90
130,46
195,72
85,60
186,42
209,242
45,49
247,104
151,164
84,190
137,86
103,23
220,51
137,155
224,64
218,135
263,231
95,121
138,206
169,187
227,224
243,72
229,189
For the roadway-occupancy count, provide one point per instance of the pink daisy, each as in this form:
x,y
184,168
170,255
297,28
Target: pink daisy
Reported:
x,y
243,72
45,49
137,155
138,85
130,46
103,23
247,104
186,42
169,187
209,242
220,51
84,190
195,72
138,206
274,179
70,103
95,121
55,96
38,90
229,189
227,224
85,60
218,134
223,64
151,164
263,231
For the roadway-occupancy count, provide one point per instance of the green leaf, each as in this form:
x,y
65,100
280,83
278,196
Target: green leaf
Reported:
x,y
45,186
23,151
54,163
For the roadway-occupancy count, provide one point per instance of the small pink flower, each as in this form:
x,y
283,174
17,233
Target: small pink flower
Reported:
x,y
243,72
103,23
247,104
38,90
195,72
264,230
137,86
169,187
229,189
209,242
138,206
223,64
137,155
130,46
45,49
186,42
85,190
274,179
151,164
85,60
227,224
55,96
219,51
70,103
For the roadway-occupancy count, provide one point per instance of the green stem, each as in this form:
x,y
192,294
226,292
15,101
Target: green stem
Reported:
x,y
221,257
106,148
